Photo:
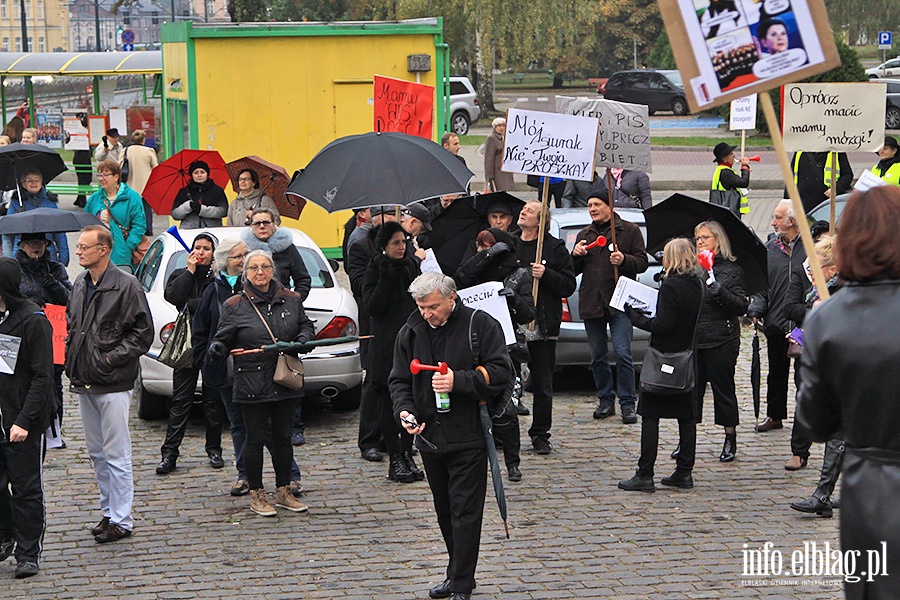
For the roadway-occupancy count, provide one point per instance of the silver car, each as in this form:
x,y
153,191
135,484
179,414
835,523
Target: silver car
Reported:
x,y
464,109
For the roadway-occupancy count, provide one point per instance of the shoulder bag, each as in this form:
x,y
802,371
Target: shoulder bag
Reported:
x,y
137,255
730,199
672,372
176,351
126,168
288,369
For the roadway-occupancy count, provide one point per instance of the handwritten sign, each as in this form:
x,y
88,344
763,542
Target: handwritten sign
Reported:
x,y
743,113
403,106
542,143
624,138
56,314
486,298
838,117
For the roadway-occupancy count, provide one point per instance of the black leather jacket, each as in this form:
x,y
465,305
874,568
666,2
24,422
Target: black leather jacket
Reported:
x,y
724,303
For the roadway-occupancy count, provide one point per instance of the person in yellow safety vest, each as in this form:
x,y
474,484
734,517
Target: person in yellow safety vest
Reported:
x,y
888,168
812,174
724,177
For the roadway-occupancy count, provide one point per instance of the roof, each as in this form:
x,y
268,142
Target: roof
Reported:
x,y
19,64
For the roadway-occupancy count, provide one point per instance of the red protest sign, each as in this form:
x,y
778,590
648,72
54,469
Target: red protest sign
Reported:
x,y
57,316
403,106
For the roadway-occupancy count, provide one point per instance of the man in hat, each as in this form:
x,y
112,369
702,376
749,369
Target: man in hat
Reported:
x,y
416,221
888,167
724,177
111,148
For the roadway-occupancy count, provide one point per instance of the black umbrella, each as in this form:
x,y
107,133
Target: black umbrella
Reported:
x,y
677,215
453,231
46,220
755,372
487,203
496,475
17,158
373,168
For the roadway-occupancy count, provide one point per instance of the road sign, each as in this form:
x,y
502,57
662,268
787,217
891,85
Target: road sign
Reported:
x,y
128,47
128,38
885,40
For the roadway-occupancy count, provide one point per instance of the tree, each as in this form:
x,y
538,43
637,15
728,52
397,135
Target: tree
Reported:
x,y
248,11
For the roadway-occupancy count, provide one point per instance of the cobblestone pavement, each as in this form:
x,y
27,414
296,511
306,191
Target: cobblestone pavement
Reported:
x,y
573,533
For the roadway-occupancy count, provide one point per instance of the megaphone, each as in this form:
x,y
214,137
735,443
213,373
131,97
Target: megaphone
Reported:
x,y
173,231
415,367
600,241
754,158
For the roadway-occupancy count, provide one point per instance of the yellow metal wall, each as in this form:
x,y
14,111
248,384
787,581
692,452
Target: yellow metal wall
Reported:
x,y
284,98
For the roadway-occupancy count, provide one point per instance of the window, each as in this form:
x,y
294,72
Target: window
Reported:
x,y
210,8
42,46
40,9
6,44
30,44
126,17
658,82
18,44
4,9
155,18
16,12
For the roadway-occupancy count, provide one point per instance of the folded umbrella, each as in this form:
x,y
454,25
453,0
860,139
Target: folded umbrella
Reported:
x,y
17,158
273,182
168,177
46,220
755,373
496,474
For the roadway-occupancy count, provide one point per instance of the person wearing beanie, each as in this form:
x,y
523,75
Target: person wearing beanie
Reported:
x,y
201,203
888,168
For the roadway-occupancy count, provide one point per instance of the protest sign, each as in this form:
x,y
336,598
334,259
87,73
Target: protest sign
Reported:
x,y
403,106
9,353
624,138
726,49
838,117
542,143
743,113
56,314
486,298
76,136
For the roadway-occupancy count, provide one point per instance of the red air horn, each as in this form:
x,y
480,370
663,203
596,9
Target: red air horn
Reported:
x,y
600,241
415,367
754,158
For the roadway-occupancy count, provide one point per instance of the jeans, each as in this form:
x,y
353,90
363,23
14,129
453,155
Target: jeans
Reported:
x,y
239,436
622,332
106,435
20,467
258,416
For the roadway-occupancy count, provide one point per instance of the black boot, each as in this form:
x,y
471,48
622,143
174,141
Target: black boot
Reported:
x,y
641,482
679,479
820,501
676,451
166,465
398,471
418,474
729,449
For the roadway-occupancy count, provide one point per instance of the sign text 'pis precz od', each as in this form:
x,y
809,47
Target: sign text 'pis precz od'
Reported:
x,y
542,143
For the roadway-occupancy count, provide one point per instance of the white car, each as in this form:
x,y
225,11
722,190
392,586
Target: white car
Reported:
x,y
330,371
464,109
890,68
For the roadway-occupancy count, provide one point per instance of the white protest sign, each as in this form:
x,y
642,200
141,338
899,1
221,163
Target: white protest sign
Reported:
x,y
624,139
834,117
542,143
486,298
430,263
867,181
743,113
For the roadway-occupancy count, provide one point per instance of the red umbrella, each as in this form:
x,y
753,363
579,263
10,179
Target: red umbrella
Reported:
x,y
273,181
167,179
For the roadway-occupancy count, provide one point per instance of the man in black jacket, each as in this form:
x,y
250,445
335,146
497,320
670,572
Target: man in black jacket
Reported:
x,y
812,174
26,404
556,280
453,447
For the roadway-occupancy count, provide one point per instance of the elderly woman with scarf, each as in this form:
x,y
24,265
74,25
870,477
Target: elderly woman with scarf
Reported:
x,y
201,203
249,197
33,194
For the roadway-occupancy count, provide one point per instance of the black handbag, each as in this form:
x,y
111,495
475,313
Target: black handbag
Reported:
x,y
176,351
672,372
730,199
126,168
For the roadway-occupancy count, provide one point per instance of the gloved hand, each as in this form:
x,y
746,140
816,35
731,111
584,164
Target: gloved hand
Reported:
x,y
302,339
48,281
497,249
217,351
195,206
506,292
510,296
715,288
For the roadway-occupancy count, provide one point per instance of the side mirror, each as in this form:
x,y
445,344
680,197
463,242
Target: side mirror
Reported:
x,y
334,264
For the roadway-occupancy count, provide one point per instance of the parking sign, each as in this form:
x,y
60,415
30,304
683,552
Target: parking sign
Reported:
x,y
885,40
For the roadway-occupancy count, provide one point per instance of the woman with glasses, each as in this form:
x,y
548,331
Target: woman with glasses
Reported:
x,y
264,309
265,235
121,209
249,197
201,203
30,195
719,333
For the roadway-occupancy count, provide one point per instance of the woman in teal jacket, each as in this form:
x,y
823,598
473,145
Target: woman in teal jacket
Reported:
x,y
121,209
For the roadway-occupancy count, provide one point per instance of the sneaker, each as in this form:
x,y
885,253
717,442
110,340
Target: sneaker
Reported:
x,y
285,499
298,439
240,488
629,416
26,568
102,526
605,409
6,549
113,533
542,445
296,488
259,503
215,459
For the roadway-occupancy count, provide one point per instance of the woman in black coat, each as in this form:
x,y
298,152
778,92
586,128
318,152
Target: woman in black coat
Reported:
x,y
719,333
386,284
672,330
201,203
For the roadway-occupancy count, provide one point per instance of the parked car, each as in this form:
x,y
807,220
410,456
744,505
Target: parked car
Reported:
x,y
890,68
822,211
330,371
892,107
464,109
659,90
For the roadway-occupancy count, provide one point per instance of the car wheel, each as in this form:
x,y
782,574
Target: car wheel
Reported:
x,y
151,407
679,106
892,118
460,123
348,399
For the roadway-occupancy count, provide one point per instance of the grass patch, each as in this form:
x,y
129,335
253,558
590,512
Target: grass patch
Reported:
x,y
707,141
471,140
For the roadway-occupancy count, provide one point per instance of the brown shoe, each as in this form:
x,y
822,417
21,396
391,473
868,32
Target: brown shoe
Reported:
x,y
285,499
102,526
259,503
795,463
113,533
769,424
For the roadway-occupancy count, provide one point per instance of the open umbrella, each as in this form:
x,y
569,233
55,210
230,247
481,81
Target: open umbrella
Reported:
x,y
486,203
46,220
374,168
496,475
16,158
677,215
273,182
755,372
167,178
453,231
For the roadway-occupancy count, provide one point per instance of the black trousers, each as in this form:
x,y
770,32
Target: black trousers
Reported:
x,y
184,383
800,444
542,365
458,482
507,437
369,417
556,192
395,438
257,417
20,468
777,379
716,367
687,440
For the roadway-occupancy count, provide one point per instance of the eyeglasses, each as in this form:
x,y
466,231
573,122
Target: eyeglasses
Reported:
x,y
703,238
104,175
33,180
261,223
245,179
255,268
238,257
83,247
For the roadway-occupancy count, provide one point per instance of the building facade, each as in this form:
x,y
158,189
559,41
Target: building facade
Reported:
x,y
46,25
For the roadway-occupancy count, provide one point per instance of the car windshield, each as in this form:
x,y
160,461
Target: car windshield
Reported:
x,y
318,270
674,77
